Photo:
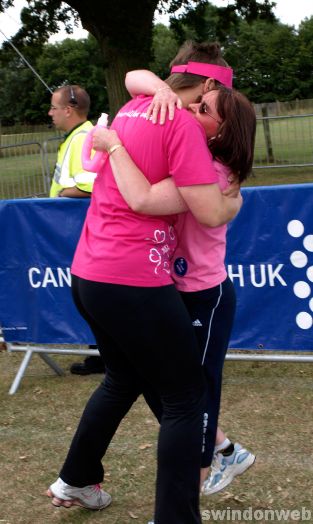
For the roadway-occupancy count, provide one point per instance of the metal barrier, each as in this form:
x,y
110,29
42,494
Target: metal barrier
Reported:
x,y
284,141
21,171
272,277
281,142
26,168
44,352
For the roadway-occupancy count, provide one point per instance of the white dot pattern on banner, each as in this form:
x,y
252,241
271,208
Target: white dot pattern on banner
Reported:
x,y
304,320
308,243
295,228
298,259
301,289
309,273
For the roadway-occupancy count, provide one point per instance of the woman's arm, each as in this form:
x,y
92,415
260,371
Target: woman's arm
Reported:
x,y
158,199
209,206
205,201
144,82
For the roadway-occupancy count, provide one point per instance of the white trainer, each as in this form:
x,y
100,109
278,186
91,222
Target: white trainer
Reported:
x,y
90,497
225,469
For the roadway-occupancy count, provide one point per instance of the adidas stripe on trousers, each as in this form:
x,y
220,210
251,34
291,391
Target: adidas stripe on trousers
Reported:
x,y
212,314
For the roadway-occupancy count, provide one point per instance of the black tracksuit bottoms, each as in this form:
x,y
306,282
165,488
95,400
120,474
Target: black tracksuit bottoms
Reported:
x,y
146,339
212,314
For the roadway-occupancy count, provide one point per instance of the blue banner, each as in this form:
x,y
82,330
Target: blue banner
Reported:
x,y
269,259
38,242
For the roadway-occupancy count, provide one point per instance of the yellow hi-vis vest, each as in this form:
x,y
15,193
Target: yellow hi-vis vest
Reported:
x,y
68,170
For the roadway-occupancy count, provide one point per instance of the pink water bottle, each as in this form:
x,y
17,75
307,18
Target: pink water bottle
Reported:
x,y
96,162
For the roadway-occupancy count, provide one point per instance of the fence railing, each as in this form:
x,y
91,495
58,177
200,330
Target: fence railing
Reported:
x,y
26,168
21,171
284,141
281,142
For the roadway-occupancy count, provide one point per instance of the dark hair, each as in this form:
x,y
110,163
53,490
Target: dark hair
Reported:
x,y
204,52
190,51
76,97
233,145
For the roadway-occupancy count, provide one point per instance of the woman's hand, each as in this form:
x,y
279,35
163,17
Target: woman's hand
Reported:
x,y
164,100
233,189
103,139
233,193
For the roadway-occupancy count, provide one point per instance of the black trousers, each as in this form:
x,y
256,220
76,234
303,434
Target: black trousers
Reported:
x,y
212,314
146,339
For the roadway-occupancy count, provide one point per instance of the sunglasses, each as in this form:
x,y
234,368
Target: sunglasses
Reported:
x,y
203,108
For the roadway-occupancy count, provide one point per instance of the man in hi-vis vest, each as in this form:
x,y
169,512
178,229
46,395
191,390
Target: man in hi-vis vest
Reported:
x,y
69,110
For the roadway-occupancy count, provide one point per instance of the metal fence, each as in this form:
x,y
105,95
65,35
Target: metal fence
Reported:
x,y
281,142
284,142
26,168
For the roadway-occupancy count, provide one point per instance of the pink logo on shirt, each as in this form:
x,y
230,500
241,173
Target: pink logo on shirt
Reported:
x,y
161,255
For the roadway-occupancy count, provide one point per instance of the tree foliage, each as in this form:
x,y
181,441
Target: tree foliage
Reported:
x,y
67,62
305,56
271,60
164,47
123,30
206,22
265,61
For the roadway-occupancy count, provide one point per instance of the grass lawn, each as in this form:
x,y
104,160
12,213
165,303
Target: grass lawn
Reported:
x,y
280,176
266,406
23,169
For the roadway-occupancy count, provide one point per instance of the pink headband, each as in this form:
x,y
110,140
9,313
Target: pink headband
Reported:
x,y
220,73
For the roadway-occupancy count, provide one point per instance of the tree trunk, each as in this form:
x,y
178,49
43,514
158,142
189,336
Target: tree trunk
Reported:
x,y
124,33
115,80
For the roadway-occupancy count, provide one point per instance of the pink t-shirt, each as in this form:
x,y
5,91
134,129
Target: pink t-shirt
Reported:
x,y
198,261
118,245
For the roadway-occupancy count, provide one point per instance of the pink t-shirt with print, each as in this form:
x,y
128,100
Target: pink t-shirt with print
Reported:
x,y
118,245
199,259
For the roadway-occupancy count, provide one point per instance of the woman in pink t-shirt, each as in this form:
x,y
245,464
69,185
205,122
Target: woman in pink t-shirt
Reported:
x,y
122,286
198,265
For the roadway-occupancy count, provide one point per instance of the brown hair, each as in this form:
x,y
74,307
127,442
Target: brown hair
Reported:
x,y
233,145
76,97
190,51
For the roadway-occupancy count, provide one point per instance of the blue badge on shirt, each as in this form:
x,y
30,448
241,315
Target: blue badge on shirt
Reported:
x,y
180,266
